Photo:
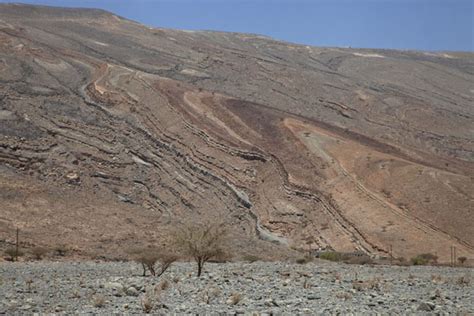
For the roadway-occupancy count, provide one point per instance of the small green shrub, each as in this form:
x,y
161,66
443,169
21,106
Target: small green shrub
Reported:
x,y
418,261
424,259
331,256
251,258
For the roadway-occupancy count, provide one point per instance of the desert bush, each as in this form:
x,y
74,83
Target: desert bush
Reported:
x,y
166,260
39,252
359,260
151,298
304,260
418,261
13,253
148,261
429,257
424,259
362,285
251,258
462,260
331,256
61,250
202,242
464,280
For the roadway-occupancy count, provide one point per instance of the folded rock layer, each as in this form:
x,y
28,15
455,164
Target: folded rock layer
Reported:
x,y
111,130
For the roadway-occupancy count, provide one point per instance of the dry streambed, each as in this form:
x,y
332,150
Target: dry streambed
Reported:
x,y
260,288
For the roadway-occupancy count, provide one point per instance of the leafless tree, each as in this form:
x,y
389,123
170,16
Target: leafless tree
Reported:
x,y
149,257
201,241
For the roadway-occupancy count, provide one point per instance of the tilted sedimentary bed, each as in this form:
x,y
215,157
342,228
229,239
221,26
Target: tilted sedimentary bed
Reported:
x,y
111,130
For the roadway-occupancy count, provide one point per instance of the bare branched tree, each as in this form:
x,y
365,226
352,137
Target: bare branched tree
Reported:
x,y
149,258
202,242
166,260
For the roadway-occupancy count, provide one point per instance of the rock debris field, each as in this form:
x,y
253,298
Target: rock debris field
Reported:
x,y
259,288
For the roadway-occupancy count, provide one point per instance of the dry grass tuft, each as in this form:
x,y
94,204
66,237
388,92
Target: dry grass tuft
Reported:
x,y
151,298
306,284
147,304
98,301
437,279
344,295
234,299
164,285
372,284
464,280
210,294
337,277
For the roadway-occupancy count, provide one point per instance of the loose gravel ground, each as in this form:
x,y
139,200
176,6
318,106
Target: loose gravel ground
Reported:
x,y
234,288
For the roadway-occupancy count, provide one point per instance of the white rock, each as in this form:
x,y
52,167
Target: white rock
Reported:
x,y
131,291
114,286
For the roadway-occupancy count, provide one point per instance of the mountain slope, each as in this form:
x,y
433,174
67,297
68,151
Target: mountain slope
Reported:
x,y
112,130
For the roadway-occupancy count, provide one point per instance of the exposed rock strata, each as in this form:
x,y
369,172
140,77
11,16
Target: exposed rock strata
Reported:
x,y
104,120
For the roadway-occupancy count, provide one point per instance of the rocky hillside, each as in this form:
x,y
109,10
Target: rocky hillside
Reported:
x,y
111,130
